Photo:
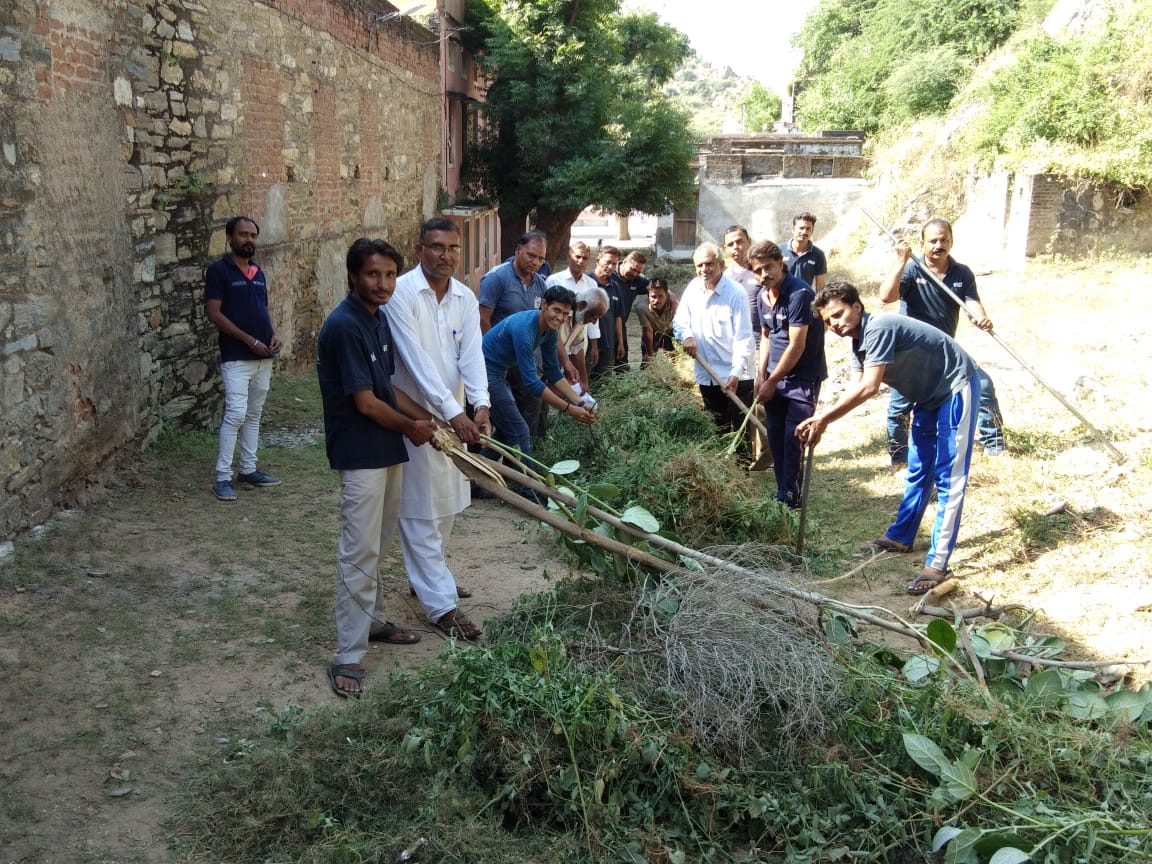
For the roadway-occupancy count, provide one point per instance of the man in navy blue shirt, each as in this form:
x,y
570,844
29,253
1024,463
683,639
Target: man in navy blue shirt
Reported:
x,y
922,299
802,258
236,302
940,379
627,283
365,422
792,363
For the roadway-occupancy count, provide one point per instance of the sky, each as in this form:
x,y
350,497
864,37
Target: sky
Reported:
x,y
751,36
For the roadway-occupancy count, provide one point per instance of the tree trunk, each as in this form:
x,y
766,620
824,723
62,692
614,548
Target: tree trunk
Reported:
x,y
511,229
557,226
622,227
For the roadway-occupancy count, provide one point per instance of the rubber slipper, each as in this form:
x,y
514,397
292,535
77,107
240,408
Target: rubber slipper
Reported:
x,y
393,635
885,544
928,579
340,670
456,623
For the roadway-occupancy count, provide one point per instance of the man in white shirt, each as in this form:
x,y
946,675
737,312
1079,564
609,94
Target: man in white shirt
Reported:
x,y
577,280
713,323
435,322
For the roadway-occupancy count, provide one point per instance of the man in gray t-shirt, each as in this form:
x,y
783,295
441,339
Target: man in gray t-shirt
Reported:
x,y
935,373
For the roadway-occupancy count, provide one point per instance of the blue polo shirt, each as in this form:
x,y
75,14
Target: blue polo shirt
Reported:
x,y
513,342
925,365
353,353
807,265
793,308
243,301
920,298
505,294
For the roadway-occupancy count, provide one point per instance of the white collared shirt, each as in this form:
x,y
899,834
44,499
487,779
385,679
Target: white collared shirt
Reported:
x,y
720,323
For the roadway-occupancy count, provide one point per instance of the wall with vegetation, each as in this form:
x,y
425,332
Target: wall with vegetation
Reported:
x,y
129,132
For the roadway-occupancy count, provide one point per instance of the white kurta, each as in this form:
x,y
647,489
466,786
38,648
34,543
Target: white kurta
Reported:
x,y
439,363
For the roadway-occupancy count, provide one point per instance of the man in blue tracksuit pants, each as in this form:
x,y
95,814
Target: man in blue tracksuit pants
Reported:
x,y
933,371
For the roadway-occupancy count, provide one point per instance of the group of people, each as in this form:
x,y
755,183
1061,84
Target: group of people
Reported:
x,y
493,365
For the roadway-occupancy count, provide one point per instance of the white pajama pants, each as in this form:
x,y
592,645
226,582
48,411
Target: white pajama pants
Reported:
x,y
424,543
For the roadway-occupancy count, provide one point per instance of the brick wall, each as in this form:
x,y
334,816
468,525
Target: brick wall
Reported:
x,y
129,133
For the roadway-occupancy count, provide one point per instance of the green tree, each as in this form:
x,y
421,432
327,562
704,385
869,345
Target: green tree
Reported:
x,y
573,117
761,108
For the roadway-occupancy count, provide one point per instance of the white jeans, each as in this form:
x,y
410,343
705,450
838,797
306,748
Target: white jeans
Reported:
x,y
424,543
369,505
246,384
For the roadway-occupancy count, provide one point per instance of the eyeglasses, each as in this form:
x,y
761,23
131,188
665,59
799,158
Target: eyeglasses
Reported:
x,y
441,249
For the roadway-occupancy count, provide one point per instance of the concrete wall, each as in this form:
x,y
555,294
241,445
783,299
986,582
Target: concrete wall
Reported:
x,y
129,132
766,209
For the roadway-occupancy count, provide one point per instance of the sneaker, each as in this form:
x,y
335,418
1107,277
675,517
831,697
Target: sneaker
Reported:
x,y
258,478
224,490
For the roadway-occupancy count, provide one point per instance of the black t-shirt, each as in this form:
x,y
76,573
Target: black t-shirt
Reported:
x,y
353,353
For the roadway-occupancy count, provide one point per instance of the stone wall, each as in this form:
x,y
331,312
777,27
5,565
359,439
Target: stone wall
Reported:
x,y
129,132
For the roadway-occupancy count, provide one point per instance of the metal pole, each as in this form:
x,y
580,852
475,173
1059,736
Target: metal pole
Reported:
x,y
804,499
1116,454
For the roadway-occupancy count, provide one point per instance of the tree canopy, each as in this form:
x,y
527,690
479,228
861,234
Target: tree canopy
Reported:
x,y
574,115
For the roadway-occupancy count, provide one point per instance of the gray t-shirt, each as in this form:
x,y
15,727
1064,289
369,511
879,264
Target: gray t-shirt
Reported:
x,y
924,364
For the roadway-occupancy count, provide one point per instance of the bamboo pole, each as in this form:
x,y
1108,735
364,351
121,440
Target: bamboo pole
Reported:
x,y
735,399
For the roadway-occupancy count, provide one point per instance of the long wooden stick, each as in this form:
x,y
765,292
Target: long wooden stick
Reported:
x,y
660,565
735,399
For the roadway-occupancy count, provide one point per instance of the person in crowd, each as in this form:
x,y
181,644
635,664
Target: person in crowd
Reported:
x,y
736,244
712,323
585,324
602,350
510,343
940,379
236,302
435,324
511,287
922,299
792,366
627,283
366,420
802,258
655,313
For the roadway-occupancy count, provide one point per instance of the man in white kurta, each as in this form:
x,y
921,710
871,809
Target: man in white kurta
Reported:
x,y
435,322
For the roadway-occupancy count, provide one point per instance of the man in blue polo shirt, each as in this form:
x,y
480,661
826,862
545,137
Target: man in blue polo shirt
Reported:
x,y
932,370
365,422
922,299
511,287
508,348
792,363
802,258
236,302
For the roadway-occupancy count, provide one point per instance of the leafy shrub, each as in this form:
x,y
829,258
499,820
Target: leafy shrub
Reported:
x,y
925,84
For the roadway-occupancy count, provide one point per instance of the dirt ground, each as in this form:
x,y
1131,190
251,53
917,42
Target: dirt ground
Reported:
x,y
143,634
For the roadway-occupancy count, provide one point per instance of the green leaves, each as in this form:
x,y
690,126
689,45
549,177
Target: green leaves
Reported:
x,y
641,518
958,779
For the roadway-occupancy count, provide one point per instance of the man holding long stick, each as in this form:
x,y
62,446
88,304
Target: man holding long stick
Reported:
x,y
921,299
713,323
940,379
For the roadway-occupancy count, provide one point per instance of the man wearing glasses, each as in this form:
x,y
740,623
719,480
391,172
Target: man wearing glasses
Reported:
x,y
435,321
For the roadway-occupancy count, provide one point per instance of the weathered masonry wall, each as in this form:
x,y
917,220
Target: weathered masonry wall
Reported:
x,y
129,132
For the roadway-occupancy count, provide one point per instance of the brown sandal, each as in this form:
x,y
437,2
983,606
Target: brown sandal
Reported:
x,y
456,623
393,635
885,544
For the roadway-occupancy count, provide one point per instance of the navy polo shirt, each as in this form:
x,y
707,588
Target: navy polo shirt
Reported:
x,y
922,299
504,293
243,301
793,308
806,265
627,292
354,352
